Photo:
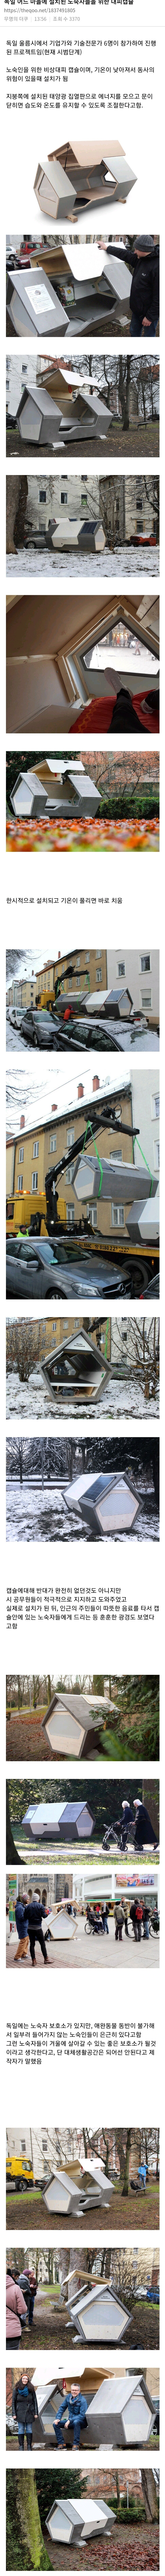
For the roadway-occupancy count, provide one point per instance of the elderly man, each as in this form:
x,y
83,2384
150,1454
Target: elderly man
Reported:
x,y
74,2408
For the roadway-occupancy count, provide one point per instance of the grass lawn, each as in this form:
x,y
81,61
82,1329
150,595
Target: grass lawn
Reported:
x,y
51,2330
28,2210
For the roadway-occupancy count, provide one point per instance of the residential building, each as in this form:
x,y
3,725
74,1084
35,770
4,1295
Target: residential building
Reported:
x,y
145,1114
49,493
20,371
33,1151
139,969
89,971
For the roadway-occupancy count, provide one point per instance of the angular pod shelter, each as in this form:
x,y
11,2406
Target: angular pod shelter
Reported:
x,y
86,535
85,282
52,417
121,2413
69,180
69,1719
36,792
76,1364
91,1182
99,2315
75,2187
109,1503
32,303
70,1821
79,2522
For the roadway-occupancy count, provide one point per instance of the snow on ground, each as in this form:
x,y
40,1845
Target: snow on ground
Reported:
x,y
33,1515
40,1400
135,560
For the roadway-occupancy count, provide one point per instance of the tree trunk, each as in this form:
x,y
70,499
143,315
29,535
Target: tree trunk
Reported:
x,y
127,2163
149,2493
117,2485
16,501
23,2525
11,1847
151,1800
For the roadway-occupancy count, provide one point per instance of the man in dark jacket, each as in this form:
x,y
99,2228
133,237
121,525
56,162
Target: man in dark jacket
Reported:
x,y
75,2407
36,1915
28,2284
136,1918
144,291
24,2408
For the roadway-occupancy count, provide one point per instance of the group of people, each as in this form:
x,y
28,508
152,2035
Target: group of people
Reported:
x,y
137,1913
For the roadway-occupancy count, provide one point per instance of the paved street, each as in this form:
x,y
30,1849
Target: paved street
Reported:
x,y
93,1949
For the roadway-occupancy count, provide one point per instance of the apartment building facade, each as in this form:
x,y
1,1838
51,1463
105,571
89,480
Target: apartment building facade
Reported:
x,y
31,1154
139,969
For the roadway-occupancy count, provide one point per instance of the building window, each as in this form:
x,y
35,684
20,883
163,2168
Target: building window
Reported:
x,y
64,497
156,1105
70,1136
34,1180
24,370
35,1149
69,1172
146,1001
52,1144
98,952
69,1212
42,495
20,1157
20,1182
23,2146
78,983
87,956
92,1211
145,964
120,969
98,974
87,980
69,984
156,1156
117,1215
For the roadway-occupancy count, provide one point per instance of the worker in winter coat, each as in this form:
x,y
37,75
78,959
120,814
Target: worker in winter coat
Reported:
x,y
28,2284
144,291
144,1831
16,2311
75,2408
24,2409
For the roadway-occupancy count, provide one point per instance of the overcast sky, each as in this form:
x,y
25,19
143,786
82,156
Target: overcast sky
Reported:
x,y
40,1095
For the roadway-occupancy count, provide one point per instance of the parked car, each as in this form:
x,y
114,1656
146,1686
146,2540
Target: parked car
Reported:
x,y
34,1268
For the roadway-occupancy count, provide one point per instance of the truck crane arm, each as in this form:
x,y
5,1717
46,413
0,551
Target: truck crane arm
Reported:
x,y
105,1115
